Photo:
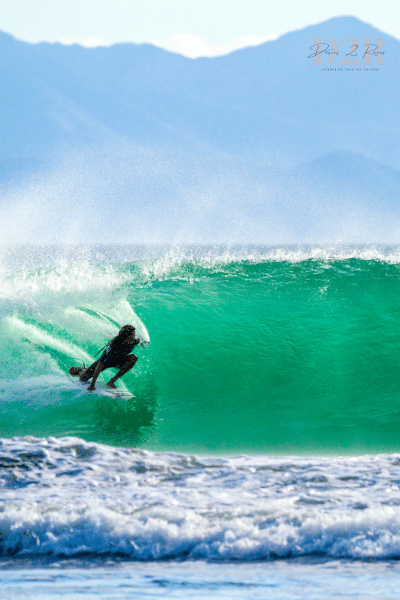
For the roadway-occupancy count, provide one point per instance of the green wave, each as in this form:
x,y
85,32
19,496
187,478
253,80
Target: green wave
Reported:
x,y
246,355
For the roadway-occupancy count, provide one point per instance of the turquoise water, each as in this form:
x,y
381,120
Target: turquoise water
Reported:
x,y
252,350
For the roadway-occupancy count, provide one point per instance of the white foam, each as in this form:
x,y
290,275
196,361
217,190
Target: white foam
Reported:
x,y
39,336
182,262
66,277
67,497
64,310
86,272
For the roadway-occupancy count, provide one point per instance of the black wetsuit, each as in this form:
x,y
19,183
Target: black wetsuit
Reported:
x,y
114,356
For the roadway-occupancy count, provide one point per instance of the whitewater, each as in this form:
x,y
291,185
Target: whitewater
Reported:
x,y
264,428
66,497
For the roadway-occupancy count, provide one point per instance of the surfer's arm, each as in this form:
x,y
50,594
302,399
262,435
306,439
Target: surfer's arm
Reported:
x,y
96,373
137,342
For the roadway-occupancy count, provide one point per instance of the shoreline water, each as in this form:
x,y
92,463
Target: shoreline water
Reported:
x,y
294,580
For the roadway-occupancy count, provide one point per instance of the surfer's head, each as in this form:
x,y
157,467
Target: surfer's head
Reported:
x,y
126,331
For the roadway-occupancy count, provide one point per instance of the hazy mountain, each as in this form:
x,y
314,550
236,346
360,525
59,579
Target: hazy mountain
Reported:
x,y
268,101
135,144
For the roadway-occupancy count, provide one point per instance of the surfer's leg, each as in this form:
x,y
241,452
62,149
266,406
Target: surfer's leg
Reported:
x,y
124,368
87,374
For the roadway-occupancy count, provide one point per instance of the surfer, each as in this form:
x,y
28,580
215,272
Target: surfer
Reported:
x,y
117,354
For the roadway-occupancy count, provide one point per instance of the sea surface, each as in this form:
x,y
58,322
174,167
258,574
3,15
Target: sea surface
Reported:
x,y
261,455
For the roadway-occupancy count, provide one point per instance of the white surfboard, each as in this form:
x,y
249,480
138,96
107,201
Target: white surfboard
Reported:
x,y
102,389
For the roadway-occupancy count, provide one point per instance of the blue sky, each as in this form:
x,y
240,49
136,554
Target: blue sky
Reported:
x,y
192,27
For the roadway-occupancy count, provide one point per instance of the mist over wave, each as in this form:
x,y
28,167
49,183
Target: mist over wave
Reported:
x,y
138,195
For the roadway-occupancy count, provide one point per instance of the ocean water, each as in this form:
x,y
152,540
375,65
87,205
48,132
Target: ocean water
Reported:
x,y
265,428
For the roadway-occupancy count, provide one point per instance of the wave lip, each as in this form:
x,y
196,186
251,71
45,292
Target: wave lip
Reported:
x,y
68,497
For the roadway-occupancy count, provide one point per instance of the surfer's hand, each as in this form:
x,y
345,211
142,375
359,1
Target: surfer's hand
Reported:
x,y
91,388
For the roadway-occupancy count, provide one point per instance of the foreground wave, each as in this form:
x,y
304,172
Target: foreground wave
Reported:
x,y
67,497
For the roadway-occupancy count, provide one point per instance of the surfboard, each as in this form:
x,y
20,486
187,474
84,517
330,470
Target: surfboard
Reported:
x,y
102,389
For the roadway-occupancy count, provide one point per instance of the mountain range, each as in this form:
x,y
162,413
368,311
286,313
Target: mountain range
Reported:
x,y
261,145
